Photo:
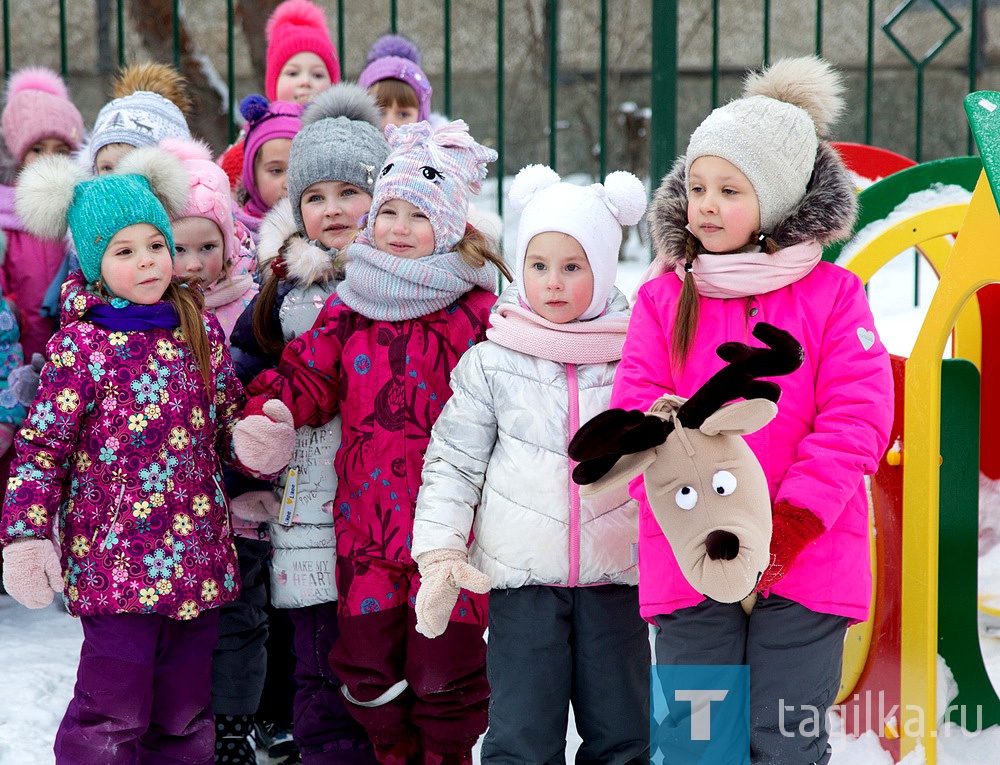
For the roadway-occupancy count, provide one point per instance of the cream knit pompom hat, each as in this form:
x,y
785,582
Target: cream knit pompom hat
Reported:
x,y
771,134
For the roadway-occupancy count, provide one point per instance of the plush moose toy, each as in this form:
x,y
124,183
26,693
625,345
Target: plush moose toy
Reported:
x,y
705,486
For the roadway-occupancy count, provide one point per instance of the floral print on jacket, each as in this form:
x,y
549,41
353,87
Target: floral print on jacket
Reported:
x,y
120,455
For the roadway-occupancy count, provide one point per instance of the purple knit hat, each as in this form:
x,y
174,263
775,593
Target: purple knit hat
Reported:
x,y
394,57
265,121
436,171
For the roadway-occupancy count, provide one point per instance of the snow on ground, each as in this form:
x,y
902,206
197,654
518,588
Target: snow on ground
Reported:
x,y
39,649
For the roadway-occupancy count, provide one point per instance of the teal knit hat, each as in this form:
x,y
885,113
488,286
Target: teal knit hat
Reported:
x,y
103,207
149,186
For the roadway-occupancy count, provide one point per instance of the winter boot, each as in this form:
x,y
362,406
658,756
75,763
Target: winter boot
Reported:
x,y
232,740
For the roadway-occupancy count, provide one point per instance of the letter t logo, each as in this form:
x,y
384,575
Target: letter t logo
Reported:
x,y
701,712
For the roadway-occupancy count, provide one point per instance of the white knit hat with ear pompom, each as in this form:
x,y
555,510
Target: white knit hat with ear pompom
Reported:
x,y
593,215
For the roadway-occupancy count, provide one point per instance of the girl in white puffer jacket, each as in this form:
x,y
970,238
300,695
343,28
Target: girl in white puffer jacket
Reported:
x,y
498,511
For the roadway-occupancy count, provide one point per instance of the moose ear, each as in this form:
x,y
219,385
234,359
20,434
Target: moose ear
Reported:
x,y
740,418
624,470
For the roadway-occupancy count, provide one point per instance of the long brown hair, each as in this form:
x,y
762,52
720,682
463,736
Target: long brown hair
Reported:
x,y
266,326
686,318
477,249
189,305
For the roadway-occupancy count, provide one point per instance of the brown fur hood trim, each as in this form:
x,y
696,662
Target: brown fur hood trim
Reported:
x,y
826,213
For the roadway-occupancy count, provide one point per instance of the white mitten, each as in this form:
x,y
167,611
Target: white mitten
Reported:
x,y
443,573
265,437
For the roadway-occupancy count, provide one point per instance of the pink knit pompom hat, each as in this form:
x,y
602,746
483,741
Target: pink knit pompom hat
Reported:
x,y
208,190
38,107
296,26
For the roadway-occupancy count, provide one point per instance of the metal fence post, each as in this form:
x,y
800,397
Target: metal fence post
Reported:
x,y
663,119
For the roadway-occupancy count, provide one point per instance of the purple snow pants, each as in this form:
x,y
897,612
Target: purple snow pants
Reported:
x,y
324,730
143,692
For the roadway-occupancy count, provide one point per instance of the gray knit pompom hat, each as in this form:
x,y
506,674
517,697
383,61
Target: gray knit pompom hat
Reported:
x,y
340,140
771,134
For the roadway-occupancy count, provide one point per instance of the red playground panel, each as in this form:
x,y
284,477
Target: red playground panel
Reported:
x,y
989,454
871,162
874,701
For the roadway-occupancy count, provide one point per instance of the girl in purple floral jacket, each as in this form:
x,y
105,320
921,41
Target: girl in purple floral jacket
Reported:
x,y
115,496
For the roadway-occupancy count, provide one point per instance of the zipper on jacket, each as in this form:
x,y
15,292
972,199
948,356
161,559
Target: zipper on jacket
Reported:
x,y
226,512
573,388
111,523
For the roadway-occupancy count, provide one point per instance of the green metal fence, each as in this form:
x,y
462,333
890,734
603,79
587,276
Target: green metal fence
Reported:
x,y
692,55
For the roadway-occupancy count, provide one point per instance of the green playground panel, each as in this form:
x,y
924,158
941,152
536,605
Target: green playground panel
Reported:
x,y
983,110
958,556
882,197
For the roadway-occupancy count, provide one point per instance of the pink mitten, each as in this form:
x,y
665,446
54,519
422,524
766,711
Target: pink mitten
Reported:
x,y
256,506
32,572
265,437
442,574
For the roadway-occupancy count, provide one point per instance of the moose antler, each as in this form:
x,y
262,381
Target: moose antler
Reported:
x,y
738,379
602,441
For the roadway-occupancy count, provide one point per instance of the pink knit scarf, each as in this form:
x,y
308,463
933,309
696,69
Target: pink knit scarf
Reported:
x,y
596,341
741,274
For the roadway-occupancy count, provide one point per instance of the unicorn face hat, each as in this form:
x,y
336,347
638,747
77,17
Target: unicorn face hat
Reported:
x,y
435,170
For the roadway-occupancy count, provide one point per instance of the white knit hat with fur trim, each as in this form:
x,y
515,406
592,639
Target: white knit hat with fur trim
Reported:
x,y
593,215
771,134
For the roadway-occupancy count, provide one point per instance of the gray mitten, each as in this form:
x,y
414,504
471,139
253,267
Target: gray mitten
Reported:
x,y
23,381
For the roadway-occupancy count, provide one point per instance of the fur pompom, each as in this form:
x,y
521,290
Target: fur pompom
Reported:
x,y
186,151
44,193
253,107
295,13
166,175
394,45
808,82
343,100
626,193
36,78
157,78
528,182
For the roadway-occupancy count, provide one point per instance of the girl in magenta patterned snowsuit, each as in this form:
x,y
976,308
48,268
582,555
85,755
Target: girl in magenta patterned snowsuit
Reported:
x,y
119,460
417,293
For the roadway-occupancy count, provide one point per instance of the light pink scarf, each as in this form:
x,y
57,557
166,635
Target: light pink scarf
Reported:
x,y
742,274
596,341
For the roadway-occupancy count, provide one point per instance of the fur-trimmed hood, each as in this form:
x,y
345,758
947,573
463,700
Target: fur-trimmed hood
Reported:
x,y
307,262
825,214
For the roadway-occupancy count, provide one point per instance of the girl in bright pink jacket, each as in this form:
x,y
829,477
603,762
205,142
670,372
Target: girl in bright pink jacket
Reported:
x,y
417,292
739,226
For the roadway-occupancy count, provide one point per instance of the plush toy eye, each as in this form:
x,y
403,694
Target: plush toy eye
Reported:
x,y
430,173
686,498
724,483
386,169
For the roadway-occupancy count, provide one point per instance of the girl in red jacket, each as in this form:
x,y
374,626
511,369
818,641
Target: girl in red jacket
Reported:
x,y
417,293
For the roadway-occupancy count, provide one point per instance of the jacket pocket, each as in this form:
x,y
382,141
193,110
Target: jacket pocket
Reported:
x,y
107,528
